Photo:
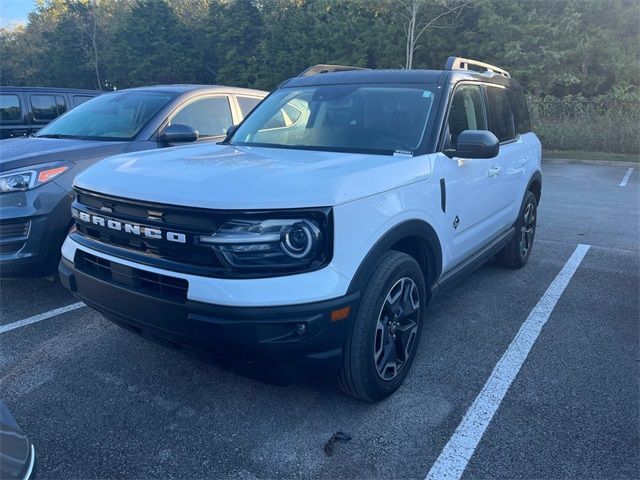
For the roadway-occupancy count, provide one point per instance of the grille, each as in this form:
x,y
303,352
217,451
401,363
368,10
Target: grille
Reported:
x,y
13,235
191,222
188,218
153,284
14,228
125,228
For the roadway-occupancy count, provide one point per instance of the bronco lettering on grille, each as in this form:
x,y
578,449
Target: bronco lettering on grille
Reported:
x,y
131,228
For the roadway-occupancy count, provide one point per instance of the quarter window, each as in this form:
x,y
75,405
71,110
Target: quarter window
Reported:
x,y
520,111
10,108
502,123
466,112
247,104
47,107
209,116
80,99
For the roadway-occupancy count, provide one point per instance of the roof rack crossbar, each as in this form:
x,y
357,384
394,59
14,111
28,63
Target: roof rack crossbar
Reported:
x,y
458,63
318,69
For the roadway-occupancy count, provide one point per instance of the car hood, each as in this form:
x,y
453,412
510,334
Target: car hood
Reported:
x,y
230,177
28,151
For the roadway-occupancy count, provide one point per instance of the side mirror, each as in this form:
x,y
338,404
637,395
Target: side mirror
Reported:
x,y
178,133
475,144
230,131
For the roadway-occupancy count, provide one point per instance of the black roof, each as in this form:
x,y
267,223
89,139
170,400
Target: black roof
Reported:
x,y
439,77
369,76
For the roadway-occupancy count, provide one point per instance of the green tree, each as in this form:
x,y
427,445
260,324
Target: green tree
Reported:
x,y
234,32
13,67
65,58
569,47
558,48
152,46
303,33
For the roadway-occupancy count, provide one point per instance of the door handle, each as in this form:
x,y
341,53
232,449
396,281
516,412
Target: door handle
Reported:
x,y
494,171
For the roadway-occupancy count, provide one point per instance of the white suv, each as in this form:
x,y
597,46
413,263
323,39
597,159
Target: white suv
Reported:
x,y
311,240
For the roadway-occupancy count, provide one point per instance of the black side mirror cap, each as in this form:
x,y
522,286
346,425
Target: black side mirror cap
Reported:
x,y
475,144
178,133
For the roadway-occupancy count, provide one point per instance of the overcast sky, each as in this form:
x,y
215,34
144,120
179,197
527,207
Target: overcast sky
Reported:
x,y
15,10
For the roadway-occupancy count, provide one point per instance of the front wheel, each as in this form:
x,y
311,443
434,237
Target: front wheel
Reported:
x,y
386,330
516,253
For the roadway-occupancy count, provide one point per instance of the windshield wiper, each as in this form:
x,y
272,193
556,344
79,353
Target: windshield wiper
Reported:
x,y
82,137
54,135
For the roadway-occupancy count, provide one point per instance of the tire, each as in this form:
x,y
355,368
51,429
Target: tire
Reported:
x,y
389,319
516,253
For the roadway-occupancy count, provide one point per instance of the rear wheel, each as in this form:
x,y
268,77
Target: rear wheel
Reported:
x,y
386,330
516,253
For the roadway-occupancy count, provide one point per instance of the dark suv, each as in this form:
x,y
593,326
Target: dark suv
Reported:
x,y
24,110
36,172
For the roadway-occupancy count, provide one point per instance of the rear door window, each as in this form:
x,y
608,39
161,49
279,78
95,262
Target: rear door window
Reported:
x,y
10,110
247,104
501,117
209,116
47,107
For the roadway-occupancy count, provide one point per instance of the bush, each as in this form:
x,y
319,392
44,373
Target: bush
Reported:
x,y
608,123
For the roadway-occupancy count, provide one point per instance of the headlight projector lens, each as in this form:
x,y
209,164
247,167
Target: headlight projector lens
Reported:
x,y
298,240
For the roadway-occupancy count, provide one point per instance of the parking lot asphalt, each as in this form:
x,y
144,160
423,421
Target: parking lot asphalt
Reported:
x,y
100,402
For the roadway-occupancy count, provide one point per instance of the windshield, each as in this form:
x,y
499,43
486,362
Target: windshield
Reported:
x,y
382,119
111,116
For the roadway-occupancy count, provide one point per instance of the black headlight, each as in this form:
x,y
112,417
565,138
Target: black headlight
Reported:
x,y
278,241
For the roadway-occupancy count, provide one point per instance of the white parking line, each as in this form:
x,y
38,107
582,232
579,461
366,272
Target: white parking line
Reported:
x,y
626,177
459,449
41,316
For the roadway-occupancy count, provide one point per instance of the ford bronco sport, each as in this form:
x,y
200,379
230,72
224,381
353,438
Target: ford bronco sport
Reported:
x,y
312,238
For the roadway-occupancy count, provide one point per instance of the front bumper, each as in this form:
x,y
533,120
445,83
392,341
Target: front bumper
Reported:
x,y
299,341
32,227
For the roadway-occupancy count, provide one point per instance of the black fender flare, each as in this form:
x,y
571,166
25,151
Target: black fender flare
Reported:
x,y
536,177
407,229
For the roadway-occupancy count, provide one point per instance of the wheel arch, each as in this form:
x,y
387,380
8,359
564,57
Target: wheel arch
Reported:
x,y
413,237
535,185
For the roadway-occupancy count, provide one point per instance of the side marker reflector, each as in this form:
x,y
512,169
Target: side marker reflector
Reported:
x,y
340,314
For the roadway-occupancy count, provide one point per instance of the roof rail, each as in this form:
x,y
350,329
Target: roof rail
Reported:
x,y
318,69
458,63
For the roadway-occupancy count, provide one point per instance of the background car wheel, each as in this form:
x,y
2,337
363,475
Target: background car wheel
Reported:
x,y
386,330
516,253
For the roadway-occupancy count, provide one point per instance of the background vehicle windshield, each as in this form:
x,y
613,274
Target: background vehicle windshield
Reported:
x,y
112,116
352,118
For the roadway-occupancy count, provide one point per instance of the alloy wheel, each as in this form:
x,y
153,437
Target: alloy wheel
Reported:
x,y
396,328
527,230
